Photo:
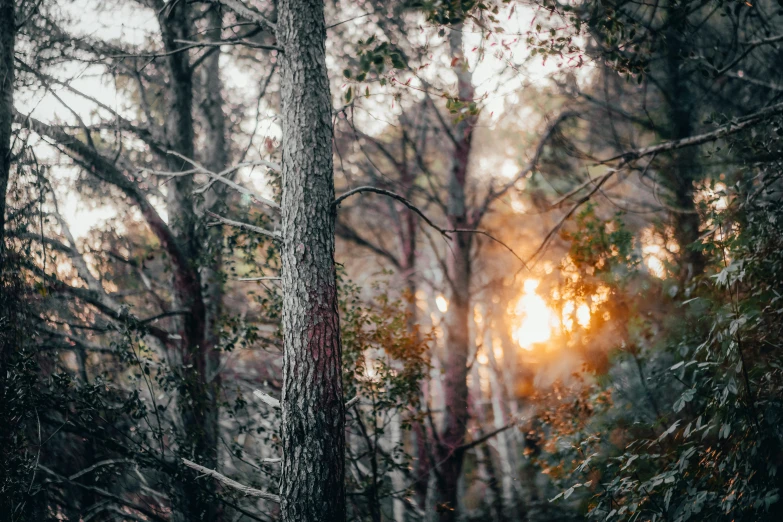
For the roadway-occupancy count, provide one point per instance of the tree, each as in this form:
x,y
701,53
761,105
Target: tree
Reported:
x,y
312,484
7,41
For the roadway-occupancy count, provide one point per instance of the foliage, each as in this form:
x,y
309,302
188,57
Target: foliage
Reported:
x,y
713,450
385,358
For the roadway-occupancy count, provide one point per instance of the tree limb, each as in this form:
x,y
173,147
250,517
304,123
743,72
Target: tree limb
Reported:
x,y
392,195
247,490
248,12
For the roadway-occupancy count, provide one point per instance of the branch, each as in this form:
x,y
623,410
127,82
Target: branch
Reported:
x,y
481,440
392,195
150,136
105,170
268,399
751,46
603,179
247,490
248,12
628,156
141,509
493,238
221,177
246,226
349,234
726,130
493,195
233,41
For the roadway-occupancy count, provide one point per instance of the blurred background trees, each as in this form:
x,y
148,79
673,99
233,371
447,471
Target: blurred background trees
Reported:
x,y
557,259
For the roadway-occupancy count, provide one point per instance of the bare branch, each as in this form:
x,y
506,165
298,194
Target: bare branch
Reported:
x,y
103,493
481,440
392,195
247,490
495,194
726,130
238,41
221,177
268,399
493,238
600,181
105,170
349,234
248,12
246,226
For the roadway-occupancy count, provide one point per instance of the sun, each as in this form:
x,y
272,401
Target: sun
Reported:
x,y
536,318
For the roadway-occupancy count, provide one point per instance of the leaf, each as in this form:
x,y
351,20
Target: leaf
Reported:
x,y
669,431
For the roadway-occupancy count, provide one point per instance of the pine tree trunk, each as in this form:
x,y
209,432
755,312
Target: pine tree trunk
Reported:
x,y
313,433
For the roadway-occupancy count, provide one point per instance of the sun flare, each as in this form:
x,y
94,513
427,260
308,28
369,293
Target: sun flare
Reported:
x,y
536,318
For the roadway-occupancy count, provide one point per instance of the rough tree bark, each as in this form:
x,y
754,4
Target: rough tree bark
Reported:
x,y
455,386
313,433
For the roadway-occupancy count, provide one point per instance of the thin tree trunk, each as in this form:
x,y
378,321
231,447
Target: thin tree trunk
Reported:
x,y
192,355
9,285
507,458
216,160
7,40
456,414
313,433
684,168
486,466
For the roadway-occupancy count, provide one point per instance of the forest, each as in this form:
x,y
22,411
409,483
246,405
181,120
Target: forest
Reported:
x,y
391,260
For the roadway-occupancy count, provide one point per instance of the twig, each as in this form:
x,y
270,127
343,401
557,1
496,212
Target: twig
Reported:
x,y
493,238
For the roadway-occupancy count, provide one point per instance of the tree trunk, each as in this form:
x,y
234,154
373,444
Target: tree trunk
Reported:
x,y
7,40
313,433
191,356
507,457
456,321
10,334
216,160
684,169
